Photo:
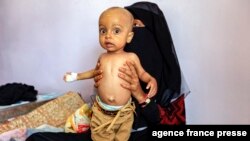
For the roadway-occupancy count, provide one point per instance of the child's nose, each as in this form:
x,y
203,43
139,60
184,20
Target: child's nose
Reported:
x,y
108,35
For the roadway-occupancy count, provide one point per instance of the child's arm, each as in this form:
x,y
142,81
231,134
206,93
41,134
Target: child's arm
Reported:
x,y
72,76
85,75
145,76
151,83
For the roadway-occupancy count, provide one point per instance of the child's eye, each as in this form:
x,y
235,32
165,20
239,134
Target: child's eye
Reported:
x,y
102,31
117,31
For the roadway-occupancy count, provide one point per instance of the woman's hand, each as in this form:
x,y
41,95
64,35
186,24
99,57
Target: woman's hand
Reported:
x,y
97,74
129,75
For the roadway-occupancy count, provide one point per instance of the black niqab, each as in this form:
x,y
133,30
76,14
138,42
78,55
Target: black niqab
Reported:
x,y
154,46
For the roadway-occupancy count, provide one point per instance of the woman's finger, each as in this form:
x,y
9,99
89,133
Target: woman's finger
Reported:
x,y
97,74
97,65
126,86
96,85
125,77
131,66
125,70
97,78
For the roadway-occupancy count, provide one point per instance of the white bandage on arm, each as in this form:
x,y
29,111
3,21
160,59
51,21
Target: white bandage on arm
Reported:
x,y
71,77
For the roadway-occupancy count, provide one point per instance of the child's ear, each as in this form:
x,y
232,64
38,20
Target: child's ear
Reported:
x,y
130,37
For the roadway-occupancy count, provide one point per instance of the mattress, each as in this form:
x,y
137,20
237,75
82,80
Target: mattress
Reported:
x,y
53,112
23,107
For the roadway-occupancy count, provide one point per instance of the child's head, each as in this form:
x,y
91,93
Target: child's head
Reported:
x,y
115,28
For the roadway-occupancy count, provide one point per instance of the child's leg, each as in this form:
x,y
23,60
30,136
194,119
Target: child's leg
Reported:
x,y
124,131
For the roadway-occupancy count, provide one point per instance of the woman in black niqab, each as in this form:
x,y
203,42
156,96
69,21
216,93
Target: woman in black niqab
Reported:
x,y
154,46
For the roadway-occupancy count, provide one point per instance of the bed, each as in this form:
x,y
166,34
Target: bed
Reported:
x,y
53,112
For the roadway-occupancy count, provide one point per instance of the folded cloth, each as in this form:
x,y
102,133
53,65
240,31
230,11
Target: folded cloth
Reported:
x,y
79,121
15,134
11,93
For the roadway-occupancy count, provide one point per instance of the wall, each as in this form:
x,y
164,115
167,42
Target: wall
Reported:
x,y
42,39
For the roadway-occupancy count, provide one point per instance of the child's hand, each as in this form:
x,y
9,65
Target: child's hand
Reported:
x,y
152,84
70,76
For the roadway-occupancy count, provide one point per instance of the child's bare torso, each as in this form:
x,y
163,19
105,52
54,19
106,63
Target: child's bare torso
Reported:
x,y
110,90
